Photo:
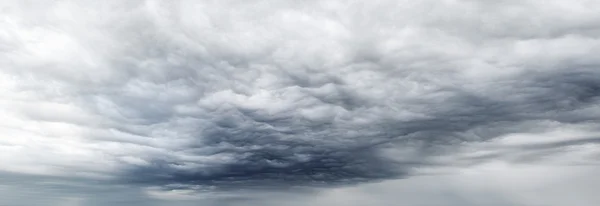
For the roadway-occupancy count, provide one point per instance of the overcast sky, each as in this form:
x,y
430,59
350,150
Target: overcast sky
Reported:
x,y
315,102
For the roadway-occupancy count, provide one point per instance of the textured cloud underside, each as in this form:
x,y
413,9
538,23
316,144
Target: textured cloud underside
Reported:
x,y
235,95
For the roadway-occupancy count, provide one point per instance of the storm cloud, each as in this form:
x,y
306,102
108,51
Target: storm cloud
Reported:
x,y
228,96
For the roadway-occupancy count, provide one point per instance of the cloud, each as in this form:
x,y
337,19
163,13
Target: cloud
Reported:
x,y
232,96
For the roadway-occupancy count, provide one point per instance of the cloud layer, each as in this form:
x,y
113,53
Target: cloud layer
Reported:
x,y
238,95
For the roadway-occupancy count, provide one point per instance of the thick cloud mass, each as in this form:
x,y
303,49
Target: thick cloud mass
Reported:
x,y
236,95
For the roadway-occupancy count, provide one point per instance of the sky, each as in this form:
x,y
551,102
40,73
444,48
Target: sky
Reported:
x,y
315,102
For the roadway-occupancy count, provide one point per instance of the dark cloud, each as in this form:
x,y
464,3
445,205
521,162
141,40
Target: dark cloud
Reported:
x,y
269,151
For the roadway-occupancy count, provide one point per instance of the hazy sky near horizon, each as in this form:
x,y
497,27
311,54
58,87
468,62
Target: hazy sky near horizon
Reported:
x,y
232,102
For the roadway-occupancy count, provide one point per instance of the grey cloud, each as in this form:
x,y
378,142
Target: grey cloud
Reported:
x,y
278,95
288,151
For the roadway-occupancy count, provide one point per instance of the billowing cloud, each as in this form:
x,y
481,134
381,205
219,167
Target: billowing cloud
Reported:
x,y
189,97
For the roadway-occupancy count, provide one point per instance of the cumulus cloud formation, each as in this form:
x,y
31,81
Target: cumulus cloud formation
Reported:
x,y
189,97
